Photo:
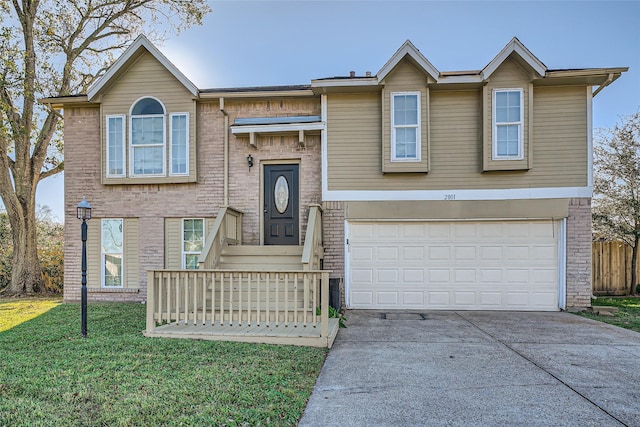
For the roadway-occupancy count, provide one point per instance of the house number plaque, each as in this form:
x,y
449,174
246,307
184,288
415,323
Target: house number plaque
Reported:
x,y
281,194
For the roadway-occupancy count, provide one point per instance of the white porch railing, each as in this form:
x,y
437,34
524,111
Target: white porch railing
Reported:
x,y
226,298
227,230
313,251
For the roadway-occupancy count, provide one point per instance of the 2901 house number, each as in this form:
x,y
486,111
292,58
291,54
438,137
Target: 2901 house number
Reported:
x,y
449,196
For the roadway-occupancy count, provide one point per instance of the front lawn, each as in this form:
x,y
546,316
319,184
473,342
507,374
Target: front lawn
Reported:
x,y
50,376
628,315
14,311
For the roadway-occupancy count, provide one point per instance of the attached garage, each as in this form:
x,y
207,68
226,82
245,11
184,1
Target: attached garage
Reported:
x,y
454,265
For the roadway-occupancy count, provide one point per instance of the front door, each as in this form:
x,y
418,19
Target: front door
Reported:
x,y
281,210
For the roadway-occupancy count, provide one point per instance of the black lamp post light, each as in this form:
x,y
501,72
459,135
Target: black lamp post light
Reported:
x,y
84,213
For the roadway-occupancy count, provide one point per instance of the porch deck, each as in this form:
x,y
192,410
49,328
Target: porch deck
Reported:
x,y
287,334
260,295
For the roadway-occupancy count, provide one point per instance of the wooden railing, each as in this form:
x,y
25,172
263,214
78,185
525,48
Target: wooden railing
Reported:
x,y
313,250
225,298
227,230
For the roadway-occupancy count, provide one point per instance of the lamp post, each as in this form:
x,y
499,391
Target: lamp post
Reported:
x,y
84,213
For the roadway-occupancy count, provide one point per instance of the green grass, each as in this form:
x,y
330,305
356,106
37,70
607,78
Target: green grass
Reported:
x,y
628,315
14,311
50,376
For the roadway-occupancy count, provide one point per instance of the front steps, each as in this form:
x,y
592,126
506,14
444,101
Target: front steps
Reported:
x,y
262,258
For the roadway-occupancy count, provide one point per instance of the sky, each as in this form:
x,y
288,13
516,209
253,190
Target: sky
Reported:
x,y
261,43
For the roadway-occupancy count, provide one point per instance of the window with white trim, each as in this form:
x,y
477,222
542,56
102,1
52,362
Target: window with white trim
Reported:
x,y
179,150
405,126
115,146
508,118
192,242
147,138
112,253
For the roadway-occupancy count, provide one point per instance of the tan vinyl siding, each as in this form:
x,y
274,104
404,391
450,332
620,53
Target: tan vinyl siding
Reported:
x,y
173,240
93,253
559,144
508,76
560,135
354,132
405,78
131,254
147,77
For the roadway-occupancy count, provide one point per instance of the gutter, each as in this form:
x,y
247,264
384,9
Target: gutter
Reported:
x,y
603,85
225,201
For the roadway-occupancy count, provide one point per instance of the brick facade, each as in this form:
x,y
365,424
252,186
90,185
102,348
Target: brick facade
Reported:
x,y
579,254
152,203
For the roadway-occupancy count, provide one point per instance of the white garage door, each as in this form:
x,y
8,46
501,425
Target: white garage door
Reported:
x,y
483,265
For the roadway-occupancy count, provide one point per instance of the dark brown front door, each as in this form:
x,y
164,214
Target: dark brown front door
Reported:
x,y
281,210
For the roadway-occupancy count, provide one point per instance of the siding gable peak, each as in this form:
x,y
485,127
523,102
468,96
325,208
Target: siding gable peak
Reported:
x,y
514,46
133,52
408,49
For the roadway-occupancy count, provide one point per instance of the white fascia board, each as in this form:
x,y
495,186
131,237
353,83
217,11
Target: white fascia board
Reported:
x,y
514,46
460,79
140,42
462,194
277,128
345,82
408,49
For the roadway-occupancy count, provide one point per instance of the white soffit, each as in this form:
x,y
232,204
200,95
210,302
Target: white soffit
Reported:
x,y
408,49
516,46
139,43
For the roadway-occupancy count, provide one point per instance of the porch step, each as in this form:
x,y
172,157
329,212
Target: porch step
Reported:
x,y
270,257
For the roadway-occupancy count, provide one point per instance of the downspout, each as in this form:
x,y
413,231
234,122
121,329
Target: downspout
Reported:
x,y
603,85
225,201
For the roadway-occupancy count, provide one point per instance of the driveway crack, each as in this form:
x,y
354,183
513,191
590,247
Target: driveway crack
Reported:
x,y
514,350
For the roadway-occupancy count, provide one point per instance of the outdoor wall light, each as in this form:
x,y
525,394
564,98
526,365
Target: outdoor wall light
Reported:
x,y
83,212
250,161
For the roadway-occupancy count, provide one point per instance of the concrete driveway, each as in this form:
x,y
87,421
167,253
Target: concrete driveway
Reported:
x,y
478,368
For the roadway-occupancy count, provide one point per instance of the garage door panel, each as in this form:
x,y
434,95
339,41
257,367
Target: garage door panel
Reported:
x,y
491,253
485,265
388,275
439,253
464,276
413,253
362,254
465,253
413,275
439,299
517,253
412,299
439,275
387,298
388,253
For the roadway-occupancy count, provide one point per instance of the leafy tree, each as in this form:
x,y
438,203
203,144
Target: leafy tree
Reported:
x,y
50,250
616,205
58,48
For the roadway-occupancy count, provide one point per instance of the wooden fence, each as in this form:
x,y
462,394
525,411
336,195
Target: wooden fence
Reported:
x,y
611,268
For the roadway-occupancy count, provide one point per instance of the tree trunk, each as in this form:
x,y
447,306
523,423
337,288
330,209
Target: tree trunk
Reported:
x,y
26,274
634,263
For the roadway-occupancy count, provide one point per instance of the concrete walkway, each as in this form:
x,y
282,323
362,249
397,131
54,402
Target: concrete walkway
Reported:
x,y
478,368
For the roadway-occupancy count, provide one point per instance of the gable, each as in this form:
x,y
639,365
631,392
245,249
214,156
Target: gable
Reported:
x,y
139,47
145,77
405,73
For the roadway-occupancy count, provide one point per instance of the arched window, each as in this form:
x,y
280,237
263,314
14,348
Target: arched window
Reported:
x,y
147,137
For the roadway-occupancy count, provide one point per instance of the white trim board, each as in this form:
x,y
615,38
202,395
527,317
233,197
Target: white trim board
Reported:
x,y
454,194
